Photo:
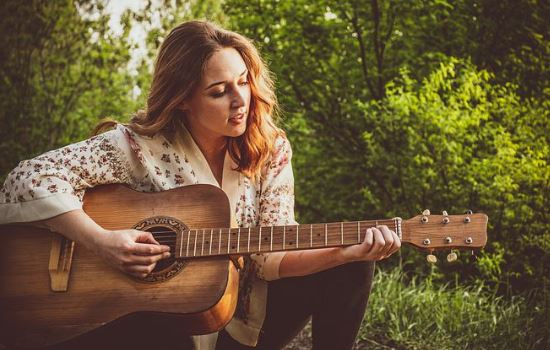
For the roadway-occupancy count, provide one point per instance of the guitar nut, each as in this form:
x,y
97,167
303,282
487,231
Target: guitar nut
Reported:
x,y
424,219
469,240
446,220
427,241
467,219
448,240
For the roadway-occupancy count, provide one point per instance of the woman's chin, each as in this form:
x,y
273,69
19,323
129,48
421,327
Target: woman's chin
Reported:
x,y
236,132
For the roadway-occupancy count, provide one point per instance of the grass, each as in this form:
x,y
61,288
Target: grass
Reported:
x,y
420,314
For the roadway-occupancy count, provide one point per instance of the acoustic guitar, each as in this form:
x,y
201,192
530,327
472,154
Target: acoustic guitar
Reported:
x,y
52,291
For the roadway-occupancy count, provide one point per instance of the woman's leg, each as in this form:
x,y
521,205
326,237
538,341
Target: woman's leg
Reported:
x,y
288,309
338,316
336,298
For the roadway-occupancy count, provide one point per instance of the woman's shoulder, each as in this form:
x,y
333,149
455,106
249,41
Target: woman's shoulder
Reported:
x,y
282,148
280,157
124,133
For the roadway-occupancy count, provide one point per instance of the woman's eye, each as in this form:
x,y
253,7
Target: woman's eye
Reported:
x,y
244,82
218,94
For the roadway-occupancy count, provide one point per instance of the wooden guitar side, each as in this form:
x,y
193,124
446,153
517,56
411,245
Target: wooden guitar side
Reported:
x,y
201,298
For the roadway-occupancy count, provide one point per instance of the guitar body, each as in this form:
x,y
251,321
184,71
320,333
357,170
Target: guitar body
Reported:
x,y
197,296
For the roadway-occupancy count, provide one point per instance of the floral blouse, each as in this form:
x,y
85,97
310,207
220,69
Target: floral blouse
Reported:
x,y
54,183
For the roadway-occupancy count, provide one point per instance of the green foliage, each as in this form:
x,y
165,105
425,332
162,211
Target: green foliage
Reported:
x,y
61,70
386,124
456,141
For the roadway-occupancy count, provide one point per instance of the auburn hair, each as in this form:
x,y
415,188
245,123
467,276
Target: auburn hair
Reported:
x,y
178,70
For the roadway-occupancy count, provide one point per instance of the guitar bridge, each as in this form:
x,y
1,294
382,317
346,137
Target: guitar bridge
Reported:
x,y
59,267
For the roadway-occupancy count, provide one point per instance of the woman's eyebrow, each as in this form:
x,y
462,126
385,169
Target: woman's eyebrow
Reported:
x,y
222,82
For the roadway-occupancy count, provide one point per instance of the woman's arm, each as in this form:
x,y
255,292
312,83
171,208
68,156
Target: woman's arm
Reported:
x,y
47,191
277,208
132,251
380,242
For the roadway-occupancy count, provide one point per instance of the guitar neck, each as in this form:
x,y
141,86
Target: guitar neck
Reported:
x,y
250,240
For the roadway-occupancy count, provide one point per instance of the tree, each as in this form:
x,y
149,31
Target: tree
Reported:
x,y
61,70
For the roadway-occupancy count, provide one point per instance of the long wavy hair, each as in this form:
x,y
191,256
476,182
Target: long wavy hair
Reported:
x,y
178,70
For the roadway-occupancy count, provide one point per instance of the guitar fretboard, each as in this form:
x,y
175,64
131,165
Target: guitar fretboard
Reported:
x,y
250,240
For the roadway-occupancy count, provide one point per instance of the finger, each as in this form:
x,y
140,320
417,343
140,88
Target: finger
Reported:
x,y
149,249
369,238
388,240
377,244
140,270
396,242
145,237
134,259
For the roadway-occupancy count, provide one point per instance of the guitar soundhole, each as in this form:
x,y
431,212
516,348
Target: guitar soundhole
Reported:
x,y
164,230
165,237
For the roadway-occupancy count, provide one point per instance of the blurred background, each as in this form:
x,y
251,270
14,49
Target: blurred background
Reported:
x,y
392,107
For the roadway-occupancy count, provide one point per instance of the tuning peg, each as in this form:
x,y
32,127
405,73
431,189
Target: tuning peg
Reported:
x,y
452,257
426,212
432,259
468,212
444,213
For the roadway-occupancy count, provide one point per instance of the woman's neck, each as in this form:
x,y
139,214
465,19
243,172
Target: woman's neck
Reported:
x,y
212,147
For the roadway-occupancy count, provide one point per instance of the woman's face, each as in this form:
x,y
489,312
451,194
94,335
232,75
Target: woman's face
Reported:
x,y
219,106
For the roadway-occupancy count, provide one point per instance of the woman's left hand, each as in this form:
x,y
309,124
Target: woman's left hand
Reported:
x,y
380,242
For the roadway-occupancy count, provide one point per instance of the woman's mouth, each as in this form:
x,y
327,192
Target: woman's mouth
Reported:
x,y
237,118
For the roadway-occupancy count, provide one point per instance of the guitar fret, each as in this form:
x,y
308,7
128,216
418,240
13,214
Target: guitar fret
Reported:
x,y
228,240
238,239
326,237
210,250
342,231
284,233
202,247
260,241
188,234
271,248
249,239
311,235
297,239
181,242
195,249
358,233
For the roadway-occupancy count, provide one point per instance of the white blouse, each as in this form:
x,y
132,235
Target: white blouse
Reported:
x,y
54,183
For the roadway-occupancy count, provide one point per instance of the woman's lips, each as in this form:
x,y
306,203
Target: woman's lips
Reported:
x,y
238,119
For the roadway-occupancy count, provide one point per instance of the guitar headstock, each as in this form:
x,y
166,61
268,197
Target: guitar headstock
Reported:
x,y
438,232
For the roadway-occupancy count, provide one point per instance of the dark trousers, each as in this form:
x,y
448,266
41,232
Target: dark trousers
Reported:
x,y
335,300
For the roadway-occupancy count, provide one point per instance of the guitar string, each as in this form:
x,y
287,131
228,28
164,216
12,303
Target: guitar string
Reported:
x,y
171,239
383,222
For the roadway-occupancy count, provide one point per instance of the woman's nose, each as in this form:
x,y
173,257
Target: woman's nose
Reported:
x,y
239,98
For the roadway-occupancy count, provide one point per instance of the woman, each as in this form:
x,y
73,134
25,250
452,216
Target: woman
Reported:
x,y
208,120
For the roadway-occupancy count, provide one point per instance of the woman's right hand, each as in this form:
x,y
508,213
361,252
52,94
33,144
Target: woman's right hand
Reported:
x,y
131,251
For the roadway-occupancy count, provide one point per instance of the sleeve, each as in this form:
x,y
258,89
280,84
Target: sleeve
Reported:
x,y
54,182
276,205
